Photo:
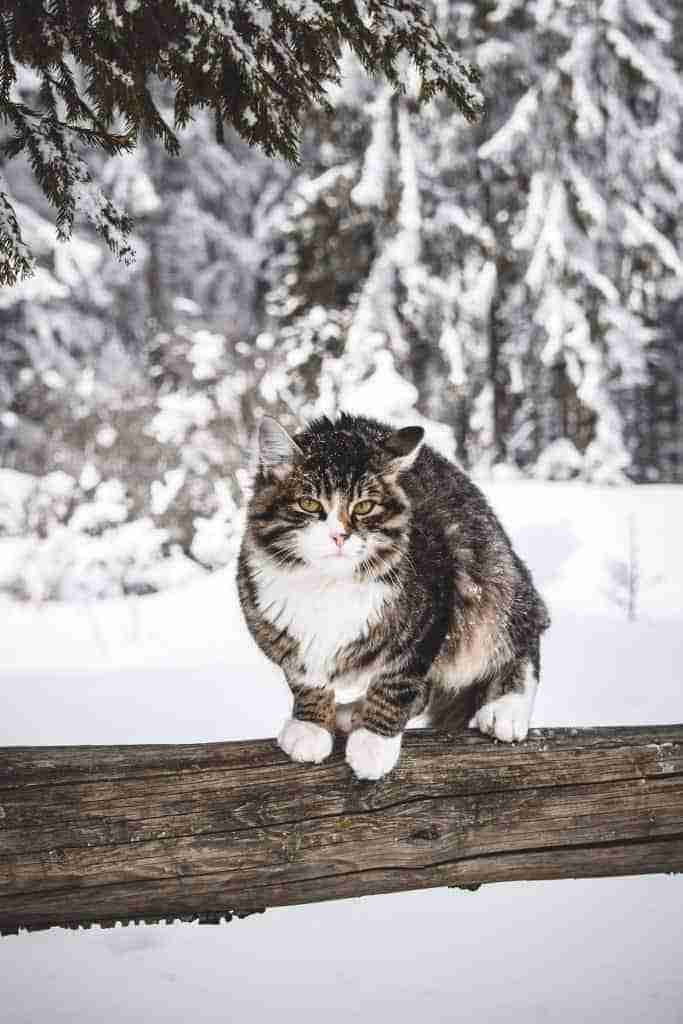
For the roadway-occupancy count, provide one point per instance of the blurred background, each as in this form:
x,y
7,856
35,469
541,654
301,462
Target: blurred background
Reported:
x,y
517,288
517,285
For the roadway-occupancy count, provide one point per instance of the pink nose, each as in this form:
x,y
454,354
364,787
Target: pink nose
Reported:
x,y
338,536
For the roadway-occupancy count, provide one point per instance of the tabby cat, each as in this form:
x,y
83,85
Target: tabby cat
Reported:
x,y
373,571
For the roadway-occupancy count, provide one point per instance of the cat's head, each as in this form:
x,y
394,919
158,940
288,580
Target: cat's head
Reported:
x,y
330,498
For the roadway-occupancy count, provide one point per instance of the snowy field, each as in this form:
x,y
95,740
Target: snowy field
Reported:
x,y
180,667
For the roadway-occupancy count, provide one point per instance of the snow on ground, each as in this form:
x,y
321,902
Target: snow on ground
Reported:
x,y
180,667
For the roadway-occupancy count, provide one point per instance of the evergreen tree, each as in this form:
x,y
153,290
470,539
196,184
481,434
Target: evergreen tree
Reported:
x,y
514,271
592,134
257,67
515,285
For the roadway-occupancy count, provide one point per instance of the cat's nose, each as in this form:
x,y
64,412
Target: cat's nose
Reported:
x,y
338,535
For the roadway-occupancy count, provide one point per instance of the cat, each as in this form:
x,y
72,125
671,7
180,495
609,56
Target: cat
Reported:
x,y
374,572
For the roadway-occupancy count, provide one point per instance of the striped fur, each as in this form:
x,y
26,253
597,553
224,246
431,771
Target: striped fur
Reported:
x,y
414,603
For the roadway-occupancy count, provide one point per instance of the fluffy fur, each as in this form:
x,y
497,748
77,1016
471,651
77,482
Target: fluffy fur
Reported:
x,y
373,571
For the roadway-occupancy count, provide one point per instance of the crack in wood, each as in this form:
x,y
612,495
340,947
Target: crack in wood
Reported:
x,y
547,803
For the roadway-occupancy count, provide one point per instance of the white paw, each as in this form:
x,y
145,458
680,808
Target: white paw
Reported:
x,y
506,718
371,756
343,716
305,741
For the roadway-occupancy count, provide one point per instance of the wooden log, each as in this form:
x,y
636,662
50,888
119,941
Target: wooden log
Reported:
x,y
104,834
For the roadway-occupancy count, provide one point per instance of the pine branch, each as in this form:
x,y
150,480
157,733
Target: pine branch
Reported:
x,y
15,259
259,68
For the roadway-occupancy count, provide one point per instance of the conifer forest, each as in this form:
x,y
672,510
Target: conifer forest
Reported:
x,y
513,282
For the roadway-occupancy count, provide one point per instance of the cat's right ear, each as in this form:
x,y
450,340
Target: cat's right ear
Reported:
x,y
402,448
277,451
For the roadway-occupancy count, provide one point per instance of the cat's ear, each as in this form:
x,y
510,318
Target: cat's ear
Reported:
x,y
403,447
277,451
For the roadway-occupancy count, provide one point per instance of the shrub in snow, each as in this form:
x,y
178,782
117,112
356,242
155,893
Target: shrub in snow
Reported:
x,y
108,505
627,580
30,504
15,492
625,576
57,545
504,472
605,460
216,538
71,565
561,460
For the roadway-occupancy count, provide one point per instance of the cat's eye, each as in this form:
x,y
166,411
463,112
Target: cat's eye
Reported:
x,y
361,508
310,505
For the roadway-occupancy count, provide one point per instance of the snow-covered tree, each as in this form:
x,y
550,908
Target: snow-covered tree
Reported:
x,y
349,299
139,373
593,136
515,270
515,285
256,66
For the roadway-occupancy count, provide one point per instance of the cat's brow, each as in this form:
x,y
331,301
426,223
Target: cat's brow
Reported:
x,y
370,488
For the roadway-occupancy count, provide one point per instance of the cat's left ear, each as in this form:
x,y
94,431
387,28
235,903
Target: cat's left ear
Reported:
x,y
403,447
277,451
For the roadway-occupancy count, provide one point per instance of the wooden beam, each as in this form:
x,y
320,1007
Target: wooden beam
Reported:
x,y
105,834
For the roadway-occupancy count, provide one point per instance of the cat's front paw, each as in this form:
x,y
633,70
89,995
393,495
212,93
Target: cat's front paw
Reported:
x,y
305,741
371,756
506,718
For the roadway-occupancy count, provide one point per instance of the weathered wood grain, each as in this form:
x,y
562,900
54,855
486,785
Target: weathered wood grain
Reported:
x,y
99,834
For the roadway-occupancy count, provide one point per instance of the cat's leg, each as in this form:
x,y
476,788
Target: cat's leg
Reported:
x,y
347,716
308,735
373,747
508,701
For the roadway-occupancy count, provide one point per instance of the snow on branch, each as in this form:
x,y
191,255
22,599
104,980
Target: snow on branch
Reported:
x,y
15,257
515,129
661,73
639,231
256,66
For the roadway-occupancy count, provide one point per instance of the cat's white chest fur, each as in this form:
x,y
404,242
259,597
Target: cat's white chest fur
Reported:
x,y
324,614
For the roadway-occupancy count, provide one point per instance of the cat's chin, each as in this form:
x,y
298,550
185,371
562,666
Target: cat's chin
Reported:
x,y
335,566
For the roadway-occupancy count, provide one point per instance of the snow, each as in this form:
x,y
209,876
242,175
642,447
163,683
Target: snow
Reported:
x,y
409,220
590,201
384,391
499,146
180,667
476,302
659,71
560,460
130,185
164,492
40,287
369,191
451,345
435,954
206,354
576,63
639,231
105,436
180,412
14,248
551,240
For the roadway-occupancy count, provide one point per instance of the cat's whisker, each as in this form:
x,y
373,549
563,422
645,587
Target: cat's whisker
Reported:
x,y
390,571
404,555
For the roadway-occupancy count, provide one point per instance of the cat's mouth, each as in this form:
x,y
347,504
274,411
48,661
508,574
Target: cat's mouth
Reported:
x,y
336,560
